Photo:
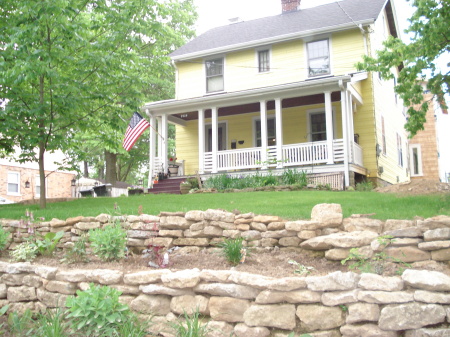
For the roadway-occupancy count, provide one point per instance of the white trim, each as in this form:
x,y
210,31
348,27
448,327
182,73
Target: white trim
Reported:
x,y
13,183
306,41
279,131
273,40
201,140
419,159
214,57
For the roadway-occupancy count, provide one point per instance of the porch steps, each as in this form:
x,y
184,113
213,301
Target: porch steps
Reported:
x,y
170,186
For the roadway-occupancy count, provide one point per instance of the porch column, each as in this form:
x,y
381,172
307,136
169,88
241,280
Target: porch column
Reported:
x,y
215,138
329,123
201,141
344,108
165,143
279,132
160,140
152,149
263,116
351,128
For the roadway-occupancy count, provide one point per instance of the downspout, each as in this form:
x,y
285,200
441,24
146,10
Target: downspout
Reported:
x,y
344,113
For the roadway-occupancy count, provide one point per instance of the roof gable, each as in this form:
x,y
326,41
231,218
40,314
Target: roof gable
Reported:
x,y
288,24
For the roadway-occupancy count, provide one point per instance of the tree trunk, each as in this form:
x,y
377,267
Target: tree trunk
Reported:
x,y
42,197
111,171
86,169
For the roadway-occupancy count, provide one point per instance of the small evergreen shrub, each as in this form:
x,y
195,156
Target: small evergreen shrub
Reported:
x,y
109,243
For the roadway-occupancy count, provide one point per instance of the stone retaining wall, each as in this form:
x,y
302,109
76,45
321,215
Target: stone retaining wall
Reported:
x,y
339,304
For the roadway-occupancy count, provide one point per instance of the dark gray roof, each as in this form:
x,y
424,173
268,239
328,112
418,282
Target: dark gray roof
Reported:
x,y
304,20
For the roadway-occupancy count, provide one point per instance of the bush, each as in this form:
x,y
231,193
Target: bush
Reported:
x,y
97,311
364,186
4,237
109,243
48,244
233,250
26,251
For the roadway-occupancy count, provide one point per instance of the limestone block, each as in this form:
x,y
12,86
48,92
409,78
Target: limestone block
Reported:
x,y
182,279
328,231
249,279
333,282
437,234
85,226
328,215
363,312
214,275
2,290
402,242
171,233
287,284
340,297
224,225
258,226
227,309
427,280
21,307
269,242
408,254
393,225
363,224
243,227
57,223
212,231
148,218
61,229
410,316
61,287
228,290
106,276
174,222
126,290
103,218
377,282
248,215
278,234
434,245
135,242
156,289
339,254
13,279
276,226
144,277
219,215
137,234
385,297
159,241
191,242
339,240
306,235
21,294
431,297
193,234
48,273
75,275
17,268
441,255
232,234
51,299
242,330
428,333
266,218
73,221
440,221
156,304
297,296
198,226
302,225
243,221
276,316
189,304
409,232
219,329
371,330
143,226
195,215
289,242
126,299
317,317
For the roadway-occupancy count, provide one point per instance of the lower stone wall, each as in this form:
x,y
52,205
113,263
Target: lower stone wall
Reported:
x,y
338,304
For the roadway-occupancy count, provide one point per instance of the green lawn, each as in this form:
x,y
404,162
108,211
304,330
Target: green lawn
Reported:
x,y
288,205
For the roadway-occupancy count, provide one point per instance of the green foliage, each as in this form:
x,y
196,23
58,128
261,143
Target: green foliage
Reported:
x,y
20,325
292,177
109,243
4,238
233,250
77,253
96,311
48,244
300,268
52,324
132,327
417,59
364,186
26,251
191,326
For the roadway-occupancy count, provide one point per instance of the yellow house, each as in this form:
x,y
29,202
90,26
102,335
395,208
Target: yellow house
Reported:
x,y
283,92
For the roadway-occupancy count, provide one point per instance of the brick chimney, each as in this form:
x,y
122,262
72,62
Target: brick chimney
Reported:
x,y
289,5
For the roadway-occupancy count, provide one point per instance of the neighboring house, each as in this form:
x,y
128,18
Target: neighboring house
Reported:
x,y
91,187
425,150
20,181
283,92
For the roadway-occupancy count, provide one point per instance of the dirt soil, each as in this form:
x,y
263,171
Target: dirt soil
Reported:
x,y
417,187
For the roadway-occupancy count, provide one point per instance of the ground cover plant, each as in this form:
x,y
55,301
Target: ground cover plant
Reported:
x,y
286,204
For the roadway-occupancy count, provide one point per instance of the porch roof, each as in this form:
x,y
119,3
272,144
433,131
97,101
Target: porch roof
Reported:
x,y
295,89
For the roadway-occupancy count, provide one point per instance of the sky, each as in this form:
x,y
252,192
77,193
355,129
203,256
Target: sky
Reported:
x,y
214,13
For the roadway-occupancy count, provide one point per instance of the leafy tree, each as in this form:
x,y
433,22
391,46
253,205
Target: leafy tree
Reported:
x,y
429,26
71,66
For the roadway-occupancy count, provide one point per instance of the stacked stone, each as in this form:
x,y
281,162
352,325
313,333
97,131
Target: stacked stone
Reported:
x,y
338,304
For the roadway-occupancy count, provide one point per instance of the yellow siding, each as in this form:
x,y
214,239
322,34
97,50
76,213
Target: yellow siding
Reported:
x,y
190,81
347,48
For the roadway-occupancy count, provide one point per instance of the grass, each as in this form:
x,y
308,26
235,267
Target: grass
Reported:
x,y
288,205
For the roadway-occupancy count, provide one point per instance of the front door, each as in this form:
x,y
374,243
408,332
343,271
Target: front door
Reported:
x,y
221,135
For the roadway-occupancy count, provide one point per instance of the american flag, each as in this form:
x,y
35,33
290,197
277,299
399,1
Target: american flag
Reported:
x,y
135,129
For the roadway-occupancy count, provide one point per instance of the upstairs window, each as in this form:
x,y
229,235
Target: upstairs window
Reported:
x,y
263,61
13,183
214,75
415,156
318,58
399,150
383,136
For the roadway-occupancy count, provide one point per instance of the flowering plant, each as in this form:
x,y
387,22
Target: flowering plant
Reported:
x,y
173,159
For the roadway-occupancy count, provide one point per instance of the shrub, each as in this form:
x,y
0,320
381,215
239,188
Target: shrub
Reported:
x,y
48,244
26,251
4,237
109,243
233,250
364,186
97,311
77,253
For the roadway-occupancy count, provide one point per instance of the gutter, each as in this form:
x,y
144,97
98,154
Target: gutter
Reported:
x,y
271,40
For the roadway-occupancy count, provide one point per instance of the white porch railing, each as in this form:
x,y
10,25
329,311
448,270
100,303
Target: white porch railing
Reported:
x,y
357,154
293,154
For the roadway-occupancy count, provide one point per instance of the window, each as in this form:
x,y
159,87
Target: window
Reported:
x,y
214,75
318,58
399,150
271,139
318,126
415,160
383,136
263,61
13,182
